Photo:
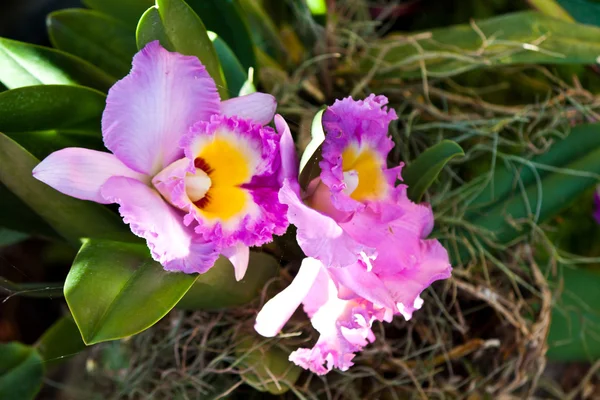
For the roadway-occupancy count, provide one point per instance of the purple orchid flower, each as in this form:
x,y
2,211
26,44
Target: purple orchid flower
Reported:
x,y
195,176
369,256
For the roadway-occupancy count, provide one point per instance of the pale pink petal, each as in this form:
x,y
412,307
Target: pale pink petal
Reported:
x,y
277,311
81,172
289,158
149,110
410,283
171,243
239,255
318,235
258,107
344,327
363,284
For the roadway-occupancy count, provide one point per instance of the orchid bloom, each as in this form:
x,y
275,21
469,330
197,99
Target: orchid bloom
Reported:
x,y
195,176
362,228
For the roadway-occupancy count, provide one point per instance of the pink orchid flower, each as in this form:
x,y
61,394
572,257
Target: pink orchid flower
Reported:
x,y
195,176
362,228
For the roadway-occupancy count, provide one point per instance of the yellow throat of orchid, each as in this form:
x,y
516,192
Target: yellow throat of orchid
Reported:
x,y
363,173
222,167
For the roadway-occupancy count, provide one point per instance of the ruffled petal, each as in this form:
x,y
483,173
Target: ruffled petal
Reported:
x,y
149,110
257,107
171,243
239,256
81,172
242,161
408,284
318,235
344,327
277,311
362,127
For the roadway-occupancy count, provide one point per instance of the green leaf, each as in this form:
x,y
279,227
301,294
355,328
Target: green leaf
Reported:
x,y
574,334
309,162
223,17
583,11
551,8
235,75
95,37
511,39
24,64
150,28
537,189
9,237
21,371
185,33
71,218
264,33
128,11
218,288
60,342
580,141
46,118
266,367
423,171
17,216
115,290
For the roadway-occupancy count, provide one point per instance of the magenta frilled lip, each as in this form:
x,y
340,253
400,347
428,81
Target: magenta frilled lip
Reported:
x,y
366,242
176,152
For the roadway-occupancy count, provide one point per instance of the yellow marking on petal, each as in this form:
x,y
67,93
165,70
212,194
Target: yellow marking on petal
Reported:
x,y
369,167
229,165
225,203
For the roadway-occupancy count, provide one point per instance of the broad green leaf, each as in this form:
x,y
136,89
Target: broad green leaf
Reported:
x,y
266,367
115,290
583,11
218,288
128,11
575,330
538,189
60,342
9,237
552,8
24,64
223,17
235,75
17,216
21,371
541,200
150,28
423,171
309,162
517,38
71,218
46,118
265,34
581,140
36,290
95,37
188,35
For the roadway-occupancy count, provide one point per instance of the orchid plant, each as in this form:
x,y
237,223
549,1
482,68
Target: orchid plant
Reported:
x,y
180,185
